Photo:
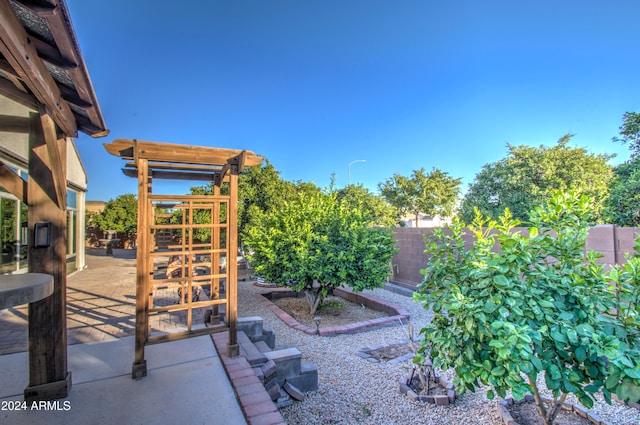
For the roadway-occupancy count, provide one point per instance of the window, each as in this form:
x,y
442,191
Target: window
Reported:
x,y
13,217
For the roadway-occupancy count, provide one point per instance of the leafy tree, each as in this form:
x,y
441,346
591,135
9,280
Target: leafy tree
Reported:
x,y
428,193
630,133
313,243
528,175
119,214
536,306
260,189
359,197
623,205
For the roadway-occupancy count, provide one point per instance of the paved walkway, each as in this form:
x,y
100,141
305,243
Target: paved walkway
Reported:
x,y
100,330
100,305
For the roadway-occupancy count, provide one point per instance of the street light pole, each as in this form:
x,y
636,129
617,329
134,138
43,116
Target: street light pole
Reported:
x,y
349,173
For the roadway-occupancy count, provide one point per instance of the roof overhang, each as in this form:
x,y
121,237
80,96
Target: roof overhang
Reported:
x,y
41,63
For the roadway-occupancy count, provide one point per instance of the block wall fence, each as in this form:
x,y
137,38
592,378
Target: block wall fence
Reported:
x,y
609,240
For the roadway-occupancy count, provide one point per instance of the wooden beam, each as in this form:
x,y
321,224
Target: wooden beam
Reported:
x,y
173,175
17,48
13,183
48,375
237,162
176,167
71,96
13,124
168,152
14,93
10,74
222,176
51,54
57,158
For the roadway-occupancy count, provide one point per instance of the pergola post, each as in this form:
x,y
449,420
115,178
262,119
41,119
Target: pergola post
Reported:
x,y
48,375
233,349
142,292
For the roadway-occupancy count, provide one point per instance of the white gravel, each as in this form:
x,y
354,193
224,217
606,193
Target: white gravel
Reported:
x,y
355,391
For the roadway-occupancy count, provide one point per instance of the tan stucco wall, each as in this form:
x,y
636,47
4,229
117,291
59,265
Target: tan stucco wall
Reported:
x,y
16,143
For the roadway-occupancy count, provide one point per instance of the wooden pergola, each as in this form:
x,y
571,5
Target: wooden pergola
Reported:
x,y
208,261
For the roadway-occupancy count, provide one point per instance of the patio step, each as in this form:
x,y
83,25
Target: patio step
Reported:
x,y
248,349
262,346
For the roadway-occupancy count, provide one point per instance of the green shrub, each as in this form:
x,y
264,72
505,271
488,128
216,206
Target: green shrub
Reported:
x,y
514,307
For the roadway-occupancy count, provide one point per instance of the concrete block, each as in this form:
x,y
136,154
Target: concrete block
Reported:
x,y
427,399
251,326
269,337
441,400
287,362
283,401
404,388
251,353
270,371
274,391
306,383
262,346
258,371
293,391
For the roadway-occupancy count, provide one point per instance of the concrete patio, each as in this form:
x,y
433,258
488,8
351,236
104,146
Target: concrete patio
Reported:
x,y
187,380
186,384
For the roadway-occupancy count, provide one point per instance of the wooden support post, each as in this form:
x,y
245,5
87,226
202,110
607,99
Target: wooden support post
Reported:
x,y
233,349
215,256
48,375
139,369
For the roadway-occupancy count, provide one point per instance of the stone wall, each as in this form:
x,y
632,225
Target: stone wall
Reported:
x,y
611,241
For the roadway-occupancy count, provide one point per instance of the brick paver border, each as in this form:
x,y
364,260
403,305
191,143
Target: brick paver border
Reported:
x,y
253,398
398,314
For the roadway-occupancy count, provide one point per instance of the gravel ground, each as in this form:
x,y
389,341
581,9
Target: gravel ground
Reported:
x,y
355,391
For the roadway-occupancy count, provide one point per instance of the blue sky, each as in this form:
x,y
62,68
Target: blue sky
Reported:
x,y
313,85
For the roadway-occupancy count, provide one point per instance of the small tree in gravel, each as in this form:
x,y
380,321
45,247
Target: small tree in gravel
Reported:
x,y
513,308
314,243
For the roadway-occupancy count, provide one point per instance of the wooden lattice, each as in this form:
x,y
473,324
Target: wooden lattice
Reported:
x,y
193,271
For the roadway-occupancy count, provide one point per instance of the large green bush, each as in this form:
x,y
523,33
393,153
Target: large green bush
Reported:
x,y
314,243
514,307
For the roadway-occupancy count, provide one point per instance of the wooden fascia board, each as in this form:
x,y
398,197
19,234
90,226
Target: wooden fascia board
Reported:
x,y
23,57
13,183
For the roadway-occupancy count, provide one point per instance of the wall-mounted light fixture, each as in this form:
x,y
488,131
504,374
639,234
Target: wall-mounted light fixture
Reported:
x,y
24,234
42,237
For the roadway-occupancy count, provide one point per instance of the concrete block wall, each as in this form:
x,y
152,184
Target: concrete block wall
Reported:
x,y
611,241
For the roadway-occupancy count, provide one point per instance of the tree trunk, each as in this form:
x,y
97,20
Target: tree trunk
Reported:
x,y
314,299
548,416
536,396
